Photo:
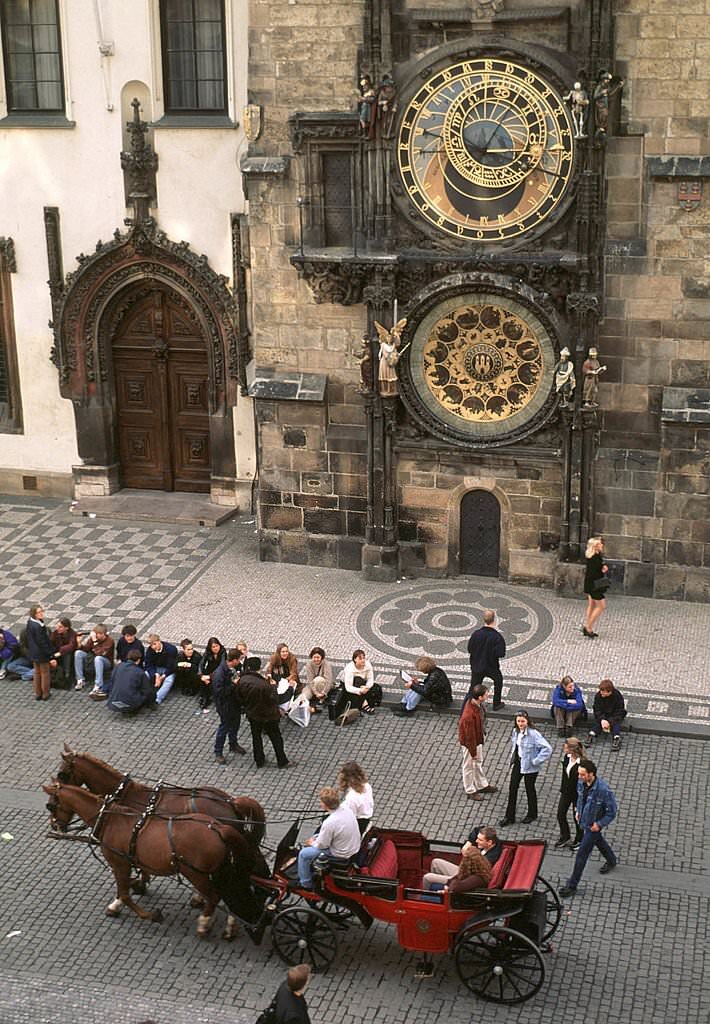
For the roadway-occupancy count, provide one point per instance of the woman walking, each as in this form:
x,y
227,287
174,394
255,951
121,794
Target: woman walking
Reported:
x,y
529,751
40,651
596,583
573,752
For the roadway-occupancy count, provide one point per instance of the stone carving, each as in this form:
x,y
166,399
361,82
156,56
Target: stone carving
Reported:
x,y
591,368
487,8
367,107
367,371
139,166
583,303
606,87
386,106
8,263
135,391
326,125
389,356
565,381
579,101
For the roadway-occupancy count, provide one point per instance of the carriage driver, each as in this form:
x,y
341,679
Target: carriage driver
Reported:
x,y
339,836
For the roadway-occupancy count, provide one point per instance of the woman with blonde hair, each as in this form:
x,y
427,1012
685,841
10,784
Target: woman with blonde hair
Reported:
x,y
573,752
596,582
473,872
357,793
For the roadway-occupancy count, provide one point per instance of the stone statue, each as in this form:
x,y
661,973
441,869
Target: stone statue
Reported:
x,y
366,107
579,101
367,371
605,88
565,381
386,106
389,356
591,368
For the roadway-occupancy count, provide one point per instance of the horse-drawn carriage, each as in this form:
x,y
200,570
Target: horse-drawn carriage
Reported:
x,y
496,935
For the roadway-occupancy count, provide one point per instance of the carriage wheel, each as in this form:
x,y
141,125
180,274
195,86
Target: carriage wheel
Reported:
x,y
338,915
499,964
553,906
302,935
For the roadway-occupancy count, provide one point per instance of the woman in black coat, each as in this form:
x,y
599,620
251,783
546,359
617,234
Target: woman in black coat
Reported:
x,y
595,587
573,753
40,651
211,660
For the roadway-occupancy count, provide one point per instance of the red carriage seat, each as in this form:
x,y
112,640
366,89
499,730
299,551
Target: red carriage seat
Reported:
x,y
501,868
384,863
525,867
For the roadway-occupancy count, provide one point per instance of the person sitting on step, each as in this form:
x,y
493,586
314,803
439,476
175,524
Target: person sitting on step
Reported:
x,y
161,664
99,644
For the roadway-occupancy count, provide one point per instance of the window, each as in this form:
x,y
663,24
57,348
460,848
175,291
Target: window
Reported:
x,y
194,57
32,56
337,198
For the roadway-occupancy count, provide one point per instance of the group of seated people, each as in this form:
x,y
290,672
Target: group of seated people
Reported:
x,y
608,710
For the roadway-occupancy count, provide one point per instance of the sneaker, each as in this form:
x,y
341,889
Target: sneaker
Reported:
x,y
96,689
98,695
80,684
574,847
205,711
591,736
3,673
616,743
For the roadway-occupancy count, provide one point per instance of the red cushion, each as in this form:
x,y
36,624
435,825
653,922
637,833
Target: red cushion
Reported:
x,y
526,865
500,868
385,863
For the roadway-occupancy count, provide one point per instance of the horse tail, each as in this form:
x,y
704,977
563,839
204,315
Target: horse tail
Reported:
x,y
232,878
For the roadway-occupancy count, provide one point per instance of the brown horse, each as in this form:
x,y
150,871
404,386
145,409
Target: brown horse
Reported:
x,y
241,812
192,845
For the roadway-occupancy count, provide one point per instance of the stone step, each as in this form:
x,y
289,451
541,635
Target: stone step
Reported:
x,y
155,506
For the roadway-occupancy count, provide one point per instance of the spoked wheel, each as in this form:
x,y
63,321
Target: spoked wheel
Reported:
x,y
302,935
338,915
553,906
499,964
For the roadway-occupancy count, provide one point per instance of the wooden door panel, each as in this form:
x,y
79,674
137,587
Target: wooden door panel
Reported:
x,y
480,534
190,421
140,422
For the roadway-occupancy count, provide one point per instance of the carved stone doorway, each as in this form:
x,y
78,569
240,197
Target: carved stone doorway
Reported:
x,y
161,384
479,534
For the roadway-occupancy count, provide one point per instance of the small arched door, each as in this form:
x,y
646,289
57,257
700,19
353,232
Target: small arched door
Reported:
x,y
162,412
480,534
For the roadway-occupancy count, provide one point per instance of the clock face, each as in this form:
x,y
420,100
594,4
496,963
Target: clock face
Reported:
x,y
485,150
482,366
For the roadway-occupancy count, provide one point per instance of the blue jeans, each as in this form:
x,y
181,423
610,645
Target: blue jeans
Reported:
x,y
228,727
102,667
164,688
589,841
411,699
21,667
596,728
305,864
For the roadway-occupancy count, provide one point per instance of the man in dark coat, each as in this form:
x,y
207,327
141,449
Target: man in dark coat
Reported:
x,y
486,647
289,1005
131,688
228,705
259,698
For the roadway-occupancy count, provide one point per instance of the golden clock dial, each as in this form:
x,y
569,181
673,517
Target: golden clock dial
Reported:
x,y
485,150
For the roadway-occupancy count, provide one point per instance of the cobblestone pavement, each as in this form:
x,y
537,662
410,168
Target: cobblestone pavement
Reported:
x,y
632,946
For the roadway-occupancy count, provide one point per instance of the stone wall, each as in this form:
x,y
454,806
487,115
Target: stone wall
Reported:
x,y
652,478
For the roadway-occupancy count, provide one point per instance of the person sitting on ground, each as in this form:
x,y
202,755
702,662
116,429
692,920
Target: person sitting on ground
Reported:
x,y
131,689
338,836
318,679
567,705
359,681
160,664
352,782
187,669
289,1005
243,648
8,650
260,702
213,656
434,687
128,641
609,712
487,842
20,665
472,872
228,705
283,670
64,643
101,645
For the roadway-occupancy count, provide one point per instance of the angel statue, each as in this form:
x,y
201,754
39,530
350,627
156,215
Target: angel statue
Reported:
x,y
389,356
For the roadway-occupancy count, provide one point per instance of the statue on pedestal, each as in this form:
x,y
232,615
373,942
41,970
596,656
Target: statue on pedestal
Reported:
x,y
591,368
389,357
565,381
367,370
579,101
605,88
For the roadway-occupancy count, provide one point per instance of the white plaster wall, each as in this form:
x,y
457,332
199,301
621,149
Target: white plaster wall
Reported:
x,y
78,170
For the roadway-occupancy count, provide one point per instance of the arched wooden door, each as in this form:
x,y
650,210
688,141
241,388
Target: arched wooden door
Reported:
x,y
162,413
480,534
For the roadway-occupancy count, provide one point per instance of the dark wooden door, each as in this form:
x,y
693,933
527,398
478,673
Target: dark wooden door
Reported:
x,y
160,369
480,534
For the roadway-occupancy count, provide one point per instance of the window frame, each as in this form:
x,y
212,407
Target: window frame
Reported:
x,y
33,112
208,113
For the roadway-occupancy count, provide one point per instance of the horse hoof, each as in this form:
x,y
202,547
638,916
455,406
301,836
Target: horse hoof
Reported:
x,y
230,933
112,913
156,916
196,901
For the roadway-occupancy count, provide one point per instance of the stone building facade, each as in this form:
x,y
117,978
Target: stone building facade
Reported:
x,y
342,238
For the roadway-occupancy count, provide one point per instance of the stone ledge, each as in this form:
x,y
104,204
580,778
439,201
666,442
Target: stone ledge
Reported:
x,y
282,386
686,405
678,166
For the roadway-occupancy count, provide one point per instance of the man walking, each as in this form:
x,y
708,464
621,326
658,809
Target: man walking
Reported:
x,y
596,808
486,647
472,732
226,701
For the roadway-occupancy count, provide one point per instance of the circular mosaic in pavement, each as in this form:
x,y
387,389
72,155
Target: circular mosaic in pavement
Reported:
x,y
438,621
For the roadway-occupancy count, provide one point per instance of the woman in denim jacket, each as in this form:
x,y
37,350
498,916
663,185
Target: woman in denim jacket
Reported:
x,y
529,751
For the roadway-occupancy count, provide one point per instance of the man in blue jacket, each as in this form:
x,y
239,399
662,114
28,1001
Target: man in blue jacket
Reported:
x,y
161,665
596,808
131,688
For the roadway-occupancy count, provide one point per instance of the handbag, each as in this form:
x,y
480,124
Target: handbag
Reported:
x,y
268,1016
603,583
300,711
